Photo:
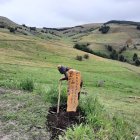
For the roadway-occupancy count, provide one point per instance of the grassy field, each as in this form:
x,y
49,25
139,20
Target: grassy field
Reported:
x,y
119,36
23,114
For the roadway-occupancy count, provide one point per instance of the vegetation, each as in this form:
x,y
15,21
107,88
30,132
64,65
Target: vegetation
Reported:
x,y
78,57
12,30
135,57
99,125
104,29
32,28
112,110
27,84
86,56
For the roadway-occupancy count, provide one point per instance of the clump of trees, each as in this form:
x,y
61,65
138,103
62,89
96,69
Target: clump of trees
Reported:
x,y
116,55
83,47
104,29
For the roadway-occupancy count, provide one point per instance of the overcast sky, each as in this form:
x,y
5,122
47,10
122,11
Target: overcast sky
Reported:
x,y
62,13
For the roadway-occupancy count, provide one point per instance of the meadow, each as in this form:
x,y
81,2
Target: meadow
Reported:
x,y
112,110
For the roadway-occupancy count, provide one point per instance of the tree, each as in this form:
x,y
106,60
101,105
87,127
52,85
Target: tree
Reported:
x,y
109,48
104,29
121,58
114,55
135,56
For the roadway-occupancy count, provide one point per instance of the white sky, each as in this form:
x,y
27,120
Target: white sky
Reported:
x,y
63,13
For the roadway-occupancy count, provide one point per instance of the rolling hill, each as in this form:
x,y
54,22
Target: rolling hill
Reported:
x,y
34,53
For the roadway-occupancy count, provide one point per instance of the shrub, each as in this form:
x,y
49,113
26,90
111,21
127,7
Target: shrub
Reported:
x,y
24,25
109,48
83,47
135,57
101,54
137,62
86,56
121,58
104,29
42,31
32,28
78,57
27,84
114,55
12,30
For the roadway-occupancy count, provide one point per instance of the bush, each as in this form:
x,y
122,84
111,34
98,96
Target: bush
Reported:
x,y
135,57
114,55
78,57
121,58
32,28
83,47
86,56
104,29
137,62
12,30
42,31
24,25
109,48
27,84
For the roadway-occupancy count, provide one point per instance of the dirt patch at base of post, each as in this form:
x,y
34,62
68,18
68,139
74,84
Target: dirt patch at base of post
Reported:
x,y
58,123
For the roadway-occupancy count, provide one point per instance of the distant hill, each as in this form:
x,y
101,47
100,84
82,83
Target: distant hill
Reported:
x,y
122,22
7,22
122,36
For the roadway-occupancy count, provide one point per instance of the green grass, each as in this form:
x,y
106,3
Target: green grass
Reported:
x,y
38,59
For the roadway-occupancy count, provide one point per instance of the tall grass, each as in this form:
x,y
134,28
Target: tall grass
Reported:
x,y
27,84
50,94
99,124
81,132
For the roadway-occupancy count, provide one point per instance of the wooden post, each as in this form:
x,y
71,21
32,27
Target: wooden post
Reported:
x,y
58,103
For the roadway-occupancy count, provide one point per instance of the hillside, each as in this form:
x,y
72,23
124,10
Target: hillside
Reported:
x,y
35,56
